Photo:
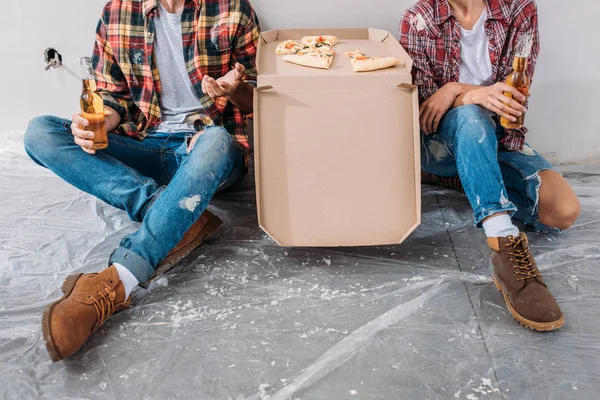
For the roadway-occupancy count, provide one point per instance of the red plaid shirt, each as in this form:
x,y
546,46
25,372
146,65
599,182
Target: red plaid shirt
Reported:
x,y
431,35
216,35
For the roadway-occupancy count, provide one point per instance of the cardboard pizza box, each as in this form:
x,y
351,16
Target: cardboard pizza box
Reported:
x,y
337,155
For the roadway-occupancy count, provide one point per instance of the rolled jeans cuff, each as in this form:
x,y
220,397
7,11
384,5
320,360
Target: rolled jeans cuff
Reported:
x,y
482,214
136,264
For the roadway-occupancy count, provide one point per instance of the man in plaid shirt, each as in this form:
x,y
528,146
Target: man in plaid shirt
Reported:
x,y
177,81
463,51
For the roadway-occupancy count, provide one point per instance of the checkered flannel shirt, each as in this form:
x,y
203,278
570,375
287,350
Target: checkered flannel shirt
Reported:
x,y
430,33
216,35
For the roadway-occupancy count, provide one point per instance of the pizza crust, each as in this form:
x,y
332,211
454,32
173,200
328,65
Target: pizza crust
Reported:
x,y
374,64
308,60
312,40
362,63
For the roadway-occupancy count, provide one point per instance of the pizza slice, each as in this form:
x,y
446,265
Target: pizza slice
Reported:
x,y
306,49
363,63
288,47
319,58
319,41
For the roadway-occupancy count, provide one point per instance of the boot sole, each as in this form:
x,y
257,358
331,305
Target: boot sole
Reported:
x,y
536,326
67,288
166,265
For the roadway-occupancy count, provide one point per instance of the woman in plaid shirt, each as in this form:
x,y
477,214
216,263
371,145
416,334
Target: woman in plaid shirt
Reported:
x,y
176,78
463,51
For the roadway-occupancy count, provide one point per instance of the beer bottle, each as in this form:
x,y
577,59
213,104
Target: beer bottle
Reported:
x,y
519,78
92,105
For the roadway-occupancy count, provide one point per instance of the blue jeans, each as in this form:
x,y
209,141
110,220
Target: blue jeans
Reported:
x,y
495,180
156,181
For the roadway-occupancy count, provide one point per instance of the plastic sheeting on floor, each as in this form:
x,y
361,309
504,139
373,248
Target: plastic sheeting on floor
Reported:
x,y
243,318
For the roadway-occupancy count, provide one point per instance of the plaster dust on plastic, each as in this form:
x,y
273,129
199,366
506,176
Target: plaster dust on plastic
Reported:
x,y
243,318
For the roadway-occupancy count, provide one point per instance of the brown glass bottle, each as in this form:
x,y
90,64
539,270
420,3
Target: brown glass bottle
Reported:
x,y
520,81
92,105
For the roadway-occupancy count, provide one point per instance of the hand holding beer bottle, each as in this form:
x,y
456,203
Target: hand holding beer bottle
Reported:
x,y
90,127
519,80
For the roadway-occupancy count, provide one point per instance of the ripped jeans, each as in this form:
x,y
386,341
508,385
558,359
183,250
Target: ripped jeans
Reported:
x,y
157,181
495,180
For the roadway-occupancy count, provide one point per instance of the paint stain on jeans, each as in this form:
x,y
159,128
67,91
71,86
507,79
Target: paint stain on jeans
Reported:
x,y
439,150
190,203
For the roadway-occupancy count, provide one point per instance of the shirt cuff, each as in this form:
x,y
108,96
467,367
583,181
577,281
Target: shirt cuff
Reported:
x,y
112,103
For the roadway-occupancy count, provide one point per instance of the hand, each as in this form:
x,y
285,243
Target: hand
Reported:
x,y
227,85
435,107
493,98
83,138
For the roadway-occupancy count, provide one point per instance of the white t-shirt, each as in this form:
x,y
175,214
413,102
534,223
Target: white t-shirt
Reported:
x,y
475,63
179,99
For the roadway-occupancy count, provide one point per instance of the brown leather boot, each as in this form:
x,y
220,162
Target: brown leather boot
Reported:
x,y
206,225
88,301
520,282
447,182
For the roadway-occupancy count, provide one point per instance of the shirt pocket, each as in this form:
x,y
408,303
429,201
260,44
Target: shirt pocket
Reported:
x,y
215,50
218,39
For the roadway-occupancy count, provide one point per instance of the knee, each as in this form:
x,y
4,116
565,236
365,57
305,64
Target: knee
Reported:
x,y
475,126
216,139
568,213
562,213
38,136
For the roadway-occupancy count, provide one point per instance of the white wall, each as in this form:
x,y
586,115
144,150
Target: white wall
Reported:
x,y
566,92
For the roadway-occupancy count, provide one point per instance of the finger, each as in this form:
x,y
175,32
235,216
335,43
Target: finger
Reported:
x,y
423,121
89,151
78,119
429,122
507,88
77,131
89,144
423,107
85,135
495,106
107,112
422,125
204,84
210,86
436,121
513,104
215,88
505,105
207,86
239,71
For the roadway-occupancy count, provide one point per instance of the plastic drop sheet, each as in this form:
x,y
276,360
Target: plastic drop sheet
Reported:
x,y
243,318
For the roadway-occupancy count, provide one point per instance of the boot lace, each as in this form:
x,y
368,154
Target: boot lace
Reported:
x,y
105,304
521,259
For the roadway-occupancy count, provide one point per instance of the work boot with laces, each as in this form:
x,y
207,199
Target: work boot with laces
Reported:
x,y
87,303
517,277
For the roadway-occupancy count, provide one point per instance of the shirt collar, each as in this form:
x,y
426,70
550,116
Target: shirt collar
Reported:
x,y
149,6
496,9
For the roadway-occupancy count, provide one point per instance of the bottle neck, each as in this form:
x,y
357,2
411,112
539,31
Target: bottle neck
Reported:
x,y
520,64
89,85
87,70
